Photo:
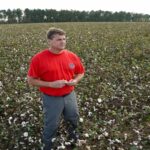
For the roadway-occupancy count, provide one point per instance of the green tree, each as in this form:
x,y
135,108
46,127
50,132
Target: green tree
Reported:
x,y
18,14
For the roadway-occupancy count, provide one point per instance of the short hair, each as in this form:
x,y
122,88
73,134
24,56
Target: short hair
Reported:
x,y
53,31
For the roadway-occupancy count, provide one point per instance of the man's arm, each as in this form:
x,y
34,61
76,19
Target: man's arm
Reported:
x,y
39,83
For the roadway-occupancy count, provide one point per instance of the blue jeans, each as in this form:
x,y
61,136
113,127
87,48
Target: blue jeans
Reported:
x,y
53,108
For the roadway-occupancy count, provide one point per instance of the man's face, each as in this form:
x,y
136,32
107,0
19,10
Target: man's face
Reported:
x,y
58,42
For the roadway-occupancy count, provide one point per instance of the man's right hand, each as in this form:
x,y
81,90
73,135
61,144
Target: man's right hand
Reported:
x,y
58,83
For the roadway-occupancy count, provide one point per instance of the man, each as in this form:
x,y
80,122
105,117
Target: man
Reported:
x,y
56,71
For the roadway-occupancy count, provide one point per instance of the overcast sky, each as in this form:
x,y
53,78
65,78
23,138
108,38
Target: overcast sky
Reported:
x,y
136,6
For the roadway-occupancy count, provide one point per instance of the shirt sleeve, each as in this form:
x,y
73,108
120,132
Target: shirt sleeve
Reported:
x,y
79,68
34,68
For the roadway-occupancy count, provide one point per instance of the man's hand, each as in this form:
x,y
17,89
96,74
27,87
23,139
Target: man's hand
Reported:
x,y
72,82
76,79
58,83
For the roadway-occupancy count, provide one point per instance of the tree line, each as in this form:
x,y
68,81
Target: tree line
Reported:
x,y
52,15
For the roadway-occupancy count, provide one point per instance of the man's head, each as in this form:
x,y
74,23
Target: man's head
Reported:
x,y
54,31
56,38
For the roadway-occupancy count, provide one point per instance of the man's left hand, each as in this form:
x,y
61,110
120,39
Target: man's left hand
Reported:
x,y
72,82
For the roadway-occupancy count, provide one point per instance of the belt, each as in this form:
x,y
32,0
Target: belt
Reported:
x,y
58,96
65,95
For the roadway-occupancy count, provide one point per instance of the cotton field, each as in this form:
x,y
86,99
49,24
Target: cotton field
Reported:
x,y
113,97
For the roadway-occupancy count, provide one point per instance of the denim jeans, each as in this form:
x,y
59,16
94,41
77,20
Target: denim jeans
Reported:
x,y
53,108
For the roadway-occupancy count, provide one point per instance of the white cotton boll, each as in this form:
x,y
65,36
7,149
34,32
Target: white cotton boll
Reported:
x,y
118,141
81,142
135,142
99,100
25,134
1,84
105,134
100,136
88,147
61,147
31,115
40,141
18,78
86,135
22,115
22,68
111,141
53,140
15,120
120,148
148,137
30,140
9,120
110,122
94,108
140,147
23,124
125,136
21,143
139,138
135,77
8,98
16,92
89,114
67,143
136,131
81,120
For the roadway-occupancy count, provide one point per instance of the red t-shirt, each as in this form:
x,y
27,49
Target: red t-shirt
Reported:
x,y
48,66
